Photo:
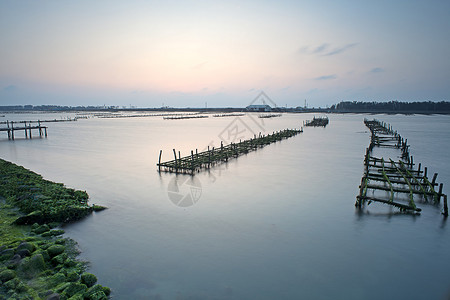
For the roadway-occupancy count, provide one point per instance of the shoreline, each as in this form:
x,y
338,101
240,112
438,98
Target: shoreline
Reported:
x,y
36,262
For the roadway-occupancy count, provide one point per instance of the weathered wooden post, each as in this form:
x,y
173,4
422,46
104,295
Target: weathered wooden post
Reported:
x,y
26,133
434,179
30,130
425,172
40,129
418,169
159,161
440,192
192,161
176,163
209,158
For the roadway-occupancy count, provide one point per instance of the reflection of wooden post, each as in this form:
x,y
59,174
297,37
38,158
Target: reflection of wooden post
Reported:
x,y
445,206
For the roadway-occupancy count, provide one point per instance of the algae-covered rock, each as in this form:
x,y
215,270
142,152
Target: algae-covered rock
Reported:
x,y
12,284
53,233
73,276
78,296
96,207
27,246
59,259
31,266
88,279
6,254
55,250
31,218
106,290
6,275
53,296
44,254
55,280
74,288
70,263
23,253
41,229
95,293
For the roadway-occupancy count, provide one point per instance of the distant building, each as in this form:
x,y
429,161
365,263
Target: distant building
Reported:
x,y
259,108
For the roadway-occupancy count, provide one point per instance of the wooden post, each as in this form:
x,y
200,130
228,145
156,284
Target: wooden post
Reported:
x,y
425,172
440,192
418,169
192,161
30,130
412,161
159,161
26,133
12,130
176,163
40,129
209,158
434,179
45,128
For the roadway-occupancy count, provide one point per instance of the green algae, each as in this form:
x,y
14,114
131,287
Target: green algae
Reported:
x,y
34,261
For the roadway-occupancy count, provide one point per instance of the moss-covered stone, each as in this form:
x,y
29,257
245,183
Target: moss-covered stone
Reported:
x,y
88,279
31,266
55,280
95,293
26,245
11,284
55,250
41,229
59,259
6,275
74,288
73,276
53,233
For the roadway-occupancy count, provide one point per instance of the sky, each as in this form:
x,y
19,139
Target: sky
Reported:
x,y
196,53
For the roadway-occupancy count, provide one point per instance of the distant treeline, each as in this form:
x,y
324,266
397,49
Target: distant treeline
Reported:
x,y
392,107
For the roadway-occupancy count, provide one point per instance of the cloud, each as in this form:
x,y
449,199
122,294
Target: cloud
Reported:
x,y
377,70
10,88
325,49
340,49
321,48
199,66
326,77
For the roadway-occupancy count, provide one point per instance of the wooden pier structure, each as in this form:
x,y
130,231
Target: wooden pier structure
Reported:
x,y
268,116
185,117
317,122
204,160
385,179
26,126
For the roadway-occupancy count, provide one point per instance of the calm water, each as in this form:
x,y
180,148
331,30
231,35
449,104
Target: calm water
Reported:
x,y
278,223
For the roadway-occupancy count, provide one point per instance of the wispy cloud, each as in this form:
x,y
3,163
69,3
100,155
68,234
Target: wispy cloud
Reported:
x,y
10,88
200,65
340,49
321,48
326,77
325,49
377,70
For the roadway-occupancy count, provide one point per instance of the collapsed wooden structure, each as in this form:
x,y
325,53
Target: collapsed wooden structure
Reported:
x,y
384,179
25,126
317,122
204,160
